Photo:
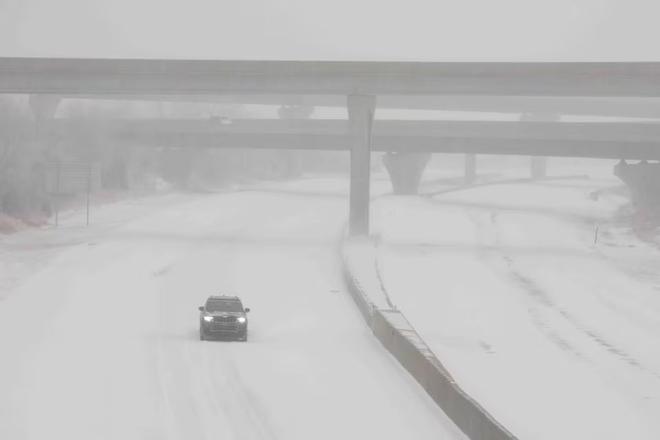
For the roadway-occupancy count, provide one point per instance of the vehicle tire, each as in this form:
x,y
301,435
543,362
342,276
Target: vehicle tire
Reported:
x,y
202,336
243,338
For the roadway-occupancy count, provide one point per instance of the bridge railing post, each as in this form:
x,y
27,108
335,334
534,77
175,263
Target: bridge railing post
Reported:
x,y
361,109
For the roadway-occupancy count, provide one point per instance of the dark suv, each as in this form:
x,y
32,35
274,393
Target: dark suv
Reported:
x,y
223,316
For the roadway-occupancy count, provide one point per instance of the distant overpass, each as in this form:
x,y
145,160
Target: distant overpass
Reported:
x,y
614,140
538,105
360,83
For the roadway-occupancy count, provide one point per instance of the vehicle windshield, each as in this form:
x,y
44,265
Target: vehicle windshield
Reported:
x,y
221,305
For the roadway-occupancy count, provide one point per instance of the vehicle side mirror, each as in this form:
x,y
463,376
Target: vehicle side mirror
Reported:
x,y
201,308
247,310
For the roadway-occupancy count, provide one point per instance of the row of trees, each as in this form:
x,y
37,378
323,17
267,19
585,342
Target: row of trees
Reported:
x,y
28,156
19,160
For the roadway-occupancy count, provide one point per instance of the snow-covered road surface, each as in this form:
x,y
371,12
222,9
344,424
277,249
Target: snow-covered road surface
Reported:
x,y
555,336
100,340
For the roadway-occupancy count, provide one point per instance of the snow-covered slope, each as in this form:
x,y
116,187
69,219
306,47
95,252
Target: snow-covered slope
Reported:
x,y
99,339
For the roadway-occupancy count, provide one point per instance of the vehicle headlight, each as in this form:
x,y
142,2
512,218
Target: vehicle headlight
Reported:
x,y
241,319
208,318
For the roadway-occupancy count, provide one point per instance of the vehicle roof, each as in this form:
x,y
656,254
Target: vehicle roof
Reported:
x,y
223,298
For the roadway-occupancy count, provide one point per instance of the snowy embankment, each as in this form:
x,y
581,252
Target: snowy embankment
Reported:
x,y
98,327
537,299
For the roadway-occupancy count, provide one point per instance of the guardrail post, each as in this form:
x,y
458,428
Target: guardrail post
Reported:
x,y
361,110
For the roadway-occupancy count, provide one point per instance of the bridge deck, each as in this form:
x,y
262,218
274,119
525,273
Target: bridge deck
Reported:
x,y
163,77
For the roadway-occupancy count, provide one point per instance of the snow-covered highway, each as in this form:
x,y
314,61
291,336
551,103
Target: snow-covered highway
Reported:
x,y
555,335
98,328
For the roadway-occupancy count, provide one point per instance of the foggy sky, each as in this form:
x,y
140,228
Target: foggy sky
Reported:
x,y
424,30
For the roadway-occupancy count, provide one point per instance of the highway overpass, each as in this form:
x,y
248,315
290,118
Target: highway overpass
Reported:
x,y
616,140
360,83
536,105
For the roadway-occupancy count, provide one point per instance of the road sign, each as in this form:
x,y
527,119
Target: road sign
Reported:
x,y
68,178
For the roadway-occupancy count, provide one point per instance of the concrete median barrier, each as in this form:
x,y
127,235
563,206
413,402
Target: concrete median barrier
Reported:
x,y
399,337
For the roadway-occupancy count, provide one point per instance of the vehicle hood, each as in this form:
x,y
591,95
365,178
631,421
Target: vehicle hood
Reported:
x,y
224,314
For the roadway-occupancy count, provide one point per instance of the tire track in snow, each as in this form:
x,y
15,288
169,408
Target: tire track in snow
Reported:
x,y
203,396
490,233
491,237
246,406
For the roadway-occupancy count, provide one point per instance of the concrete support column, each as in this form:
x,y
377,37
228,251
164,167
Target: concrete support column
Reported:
x,y
294,159
470,168
43,108
405,170
361,110
538,166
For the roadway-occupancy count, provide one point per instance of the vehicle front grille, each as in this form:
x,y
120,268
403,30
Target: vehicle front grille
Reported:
x,y
224,319
224,324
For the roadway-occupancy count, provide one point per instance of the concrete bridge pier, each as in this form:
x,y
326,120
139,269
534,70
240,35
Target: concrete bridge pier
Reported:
x,y
643,180
43,108
538,165
361,109
470,168
405,170
294,163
